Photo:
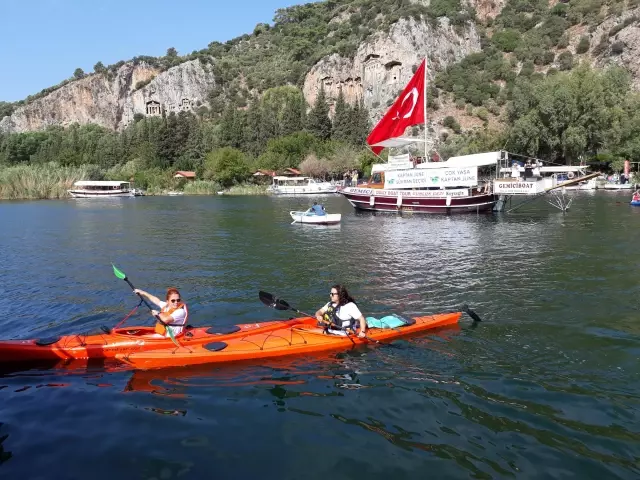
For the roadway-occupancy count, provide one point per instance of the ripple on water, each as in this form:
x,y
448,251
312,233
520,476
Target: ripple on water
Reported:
x,y
546,386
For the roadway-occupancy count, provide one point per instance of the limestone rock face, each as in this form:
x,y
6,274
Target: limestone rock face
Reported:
x,y
622,48
384,64
112,100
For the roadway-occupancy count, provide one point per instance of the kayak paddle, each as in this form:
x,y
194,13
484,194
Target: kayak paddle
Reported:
x,y
275,302
122,276
476,318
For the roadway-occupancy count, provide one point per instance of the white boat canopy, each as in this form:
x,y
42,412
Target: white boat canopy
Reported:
x,y
295,179
99,183
473,160
396,142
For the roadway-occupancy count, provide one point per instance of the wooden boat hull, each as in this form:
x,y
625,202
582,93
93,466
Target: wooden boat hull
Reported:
x,y
417,201
328,219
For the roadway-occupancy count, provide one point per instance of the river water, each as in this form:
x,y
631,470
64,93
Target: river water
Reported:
x,y
547,386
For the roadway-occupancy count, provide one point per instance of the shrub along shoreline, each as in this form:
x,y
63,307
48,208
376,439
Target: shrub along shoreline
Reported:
x,y
51,181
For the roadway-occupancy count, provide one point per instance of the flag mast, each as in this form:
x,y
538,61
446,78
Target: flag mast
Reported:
x,y
426,158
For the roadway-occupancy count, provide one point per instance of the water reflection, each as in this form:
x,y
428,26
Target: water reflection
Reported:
x,y
4,454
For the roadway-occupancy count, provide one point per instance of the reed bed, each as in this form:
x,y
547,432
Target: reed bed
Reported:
x,y
33,182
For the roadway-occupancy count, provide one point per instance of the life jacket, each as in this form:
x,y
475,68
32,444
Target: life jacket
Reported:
x,y
161,329
331,315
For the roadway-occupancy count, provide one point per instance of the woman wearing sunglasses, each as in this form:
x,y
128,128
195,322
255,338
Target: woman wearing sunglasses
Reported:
x,y
173,311
341,313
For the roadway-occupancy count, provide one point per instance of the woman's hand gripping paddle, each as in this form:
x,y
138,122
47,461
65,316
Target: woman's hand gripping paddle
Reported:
x,y
279,304
122,276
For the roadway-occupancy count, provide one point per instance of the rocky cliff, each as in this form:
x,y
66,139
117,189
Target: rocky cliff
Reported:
x,y
622,48
383,65
112,100
377,71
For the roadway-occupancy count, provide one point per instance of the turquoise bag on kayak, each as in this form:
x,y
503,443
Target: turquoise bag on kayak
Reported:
x,y
390,321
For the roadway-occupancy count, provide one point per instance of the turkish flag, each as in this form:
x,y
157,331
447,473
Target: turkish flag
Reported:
x,y
407,110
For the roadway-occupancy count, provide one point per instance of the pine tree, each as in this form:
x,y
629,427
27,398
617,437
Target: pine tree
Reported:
x,y
318,121
358,123
341,120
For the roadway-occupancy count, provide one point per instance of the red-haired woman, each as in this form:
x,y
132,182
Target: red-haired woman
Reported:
x,y
173,311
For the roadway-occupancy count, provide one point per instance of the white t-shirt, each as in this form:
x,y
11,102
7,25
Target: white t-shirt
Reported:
x,y
179,318
345,313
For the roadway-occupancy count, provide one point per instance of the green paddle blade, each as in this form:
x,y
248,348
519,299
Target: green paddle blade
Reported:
x,y
118,273
172,336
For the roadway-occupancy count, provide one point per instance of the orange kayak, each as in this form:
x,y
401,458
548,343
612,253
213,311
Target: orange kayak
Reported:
x,y
122,341
302,338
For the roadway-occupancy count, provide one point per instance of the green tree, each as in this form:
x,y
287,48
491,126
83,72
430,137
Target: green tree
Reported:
x,y
341,120
318,122
226,166
78,73
99,68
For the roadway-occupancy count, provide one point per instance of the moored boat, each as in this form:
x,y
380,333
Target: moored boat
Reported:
x,y
101,189
422,184
405,185
283,185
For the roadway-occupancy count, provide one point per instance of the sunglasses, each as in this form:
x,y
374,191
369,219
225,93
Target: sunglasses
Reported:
x,y
174,300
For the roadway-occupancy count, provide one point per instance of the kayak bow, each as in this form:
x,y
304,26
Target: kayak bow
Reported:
x,y
122,341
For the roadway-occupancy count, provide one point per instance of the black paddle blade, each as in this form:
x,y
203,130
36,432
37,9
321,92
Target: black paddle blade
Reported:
x,y
471,313
266,298
273,302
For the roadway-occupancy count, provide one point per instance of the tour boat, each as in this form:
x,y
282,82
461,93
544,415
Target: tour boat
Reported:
x,y
101,189
283,185
406,183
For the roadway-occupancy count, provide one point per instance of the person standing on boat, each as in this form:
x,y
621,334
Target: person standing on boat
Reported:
x,y
172,311
341,313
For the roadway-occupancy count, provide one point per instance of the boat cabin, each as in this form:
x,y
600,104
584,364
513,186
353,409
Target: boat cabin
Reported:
x,y
301,184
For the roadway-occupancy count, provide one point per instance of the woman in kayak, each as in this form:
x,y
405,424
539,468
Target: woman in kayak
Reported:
x,y
341,313
173,311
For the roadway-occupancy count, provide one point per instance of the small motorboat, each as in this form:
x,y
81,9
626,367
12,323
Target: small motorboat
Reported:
x,y
311,217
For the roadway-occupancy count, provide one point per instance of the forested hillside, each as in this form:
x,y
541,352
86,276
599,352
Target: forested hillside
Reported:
x,y
532,88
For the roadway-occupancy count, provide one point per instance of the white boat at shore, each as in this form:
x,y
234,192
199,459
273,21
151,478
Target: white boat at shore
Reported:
x,y
312,218
101,189
283,185
552,175
616,186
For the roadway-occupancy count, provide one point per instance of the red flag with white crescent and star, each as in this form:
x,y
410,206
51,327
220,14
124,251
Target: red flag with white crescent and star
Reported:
x,y
407,110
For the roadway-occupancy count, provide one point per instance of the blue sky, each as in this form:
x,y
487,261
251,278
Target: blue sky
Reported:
x,y
44,41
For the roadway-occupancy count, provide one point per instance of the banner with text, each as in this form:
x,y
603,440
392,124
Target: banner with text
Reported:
x,y
457,192
508,187
432,177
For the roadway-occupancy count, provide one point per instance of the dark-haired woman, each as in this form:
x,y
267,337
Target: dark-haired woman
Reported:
x,y
341,313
